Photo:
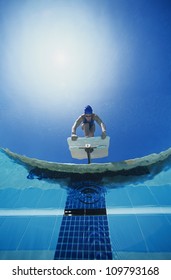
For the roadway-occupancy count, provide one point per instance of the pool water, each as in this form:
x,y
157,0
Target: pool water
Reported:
x,y
57,219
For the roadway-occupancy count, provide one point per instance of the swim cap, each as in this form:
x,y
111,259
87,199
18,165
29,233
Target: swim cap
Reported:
x,y
88,110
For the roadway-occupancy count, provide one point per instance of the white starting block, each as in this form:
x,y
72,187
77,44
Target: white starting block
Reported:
x,y
89,147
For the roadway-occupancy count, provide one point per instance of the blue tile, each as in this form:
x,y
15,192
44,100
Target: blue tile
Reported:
x,y
9,197
55,233
88,240
38,234
162,194
126,234
11,233
168,217
2,219
157,232
140,196
29,198
51,199
117,197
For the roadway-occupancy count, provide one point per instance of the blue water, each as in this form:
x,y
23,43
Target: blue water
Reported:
x,y
114,55
137,225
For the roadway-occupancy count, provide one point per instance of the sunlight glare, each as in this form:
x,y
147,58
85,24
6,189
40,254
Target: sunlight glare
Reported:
x,y
61,60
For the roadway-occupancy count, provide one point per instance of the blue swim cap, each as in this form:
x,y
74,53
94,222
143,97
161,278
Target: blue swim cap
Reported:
x,y
88,110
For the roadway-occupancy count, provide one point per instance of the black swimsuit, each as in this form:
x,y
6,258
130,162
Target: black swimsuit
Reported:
x,y
91,123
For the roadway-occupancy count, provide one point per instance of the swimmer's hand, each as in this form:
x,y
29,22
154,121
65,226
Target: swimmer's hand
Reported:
x,y
74,137
103,136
